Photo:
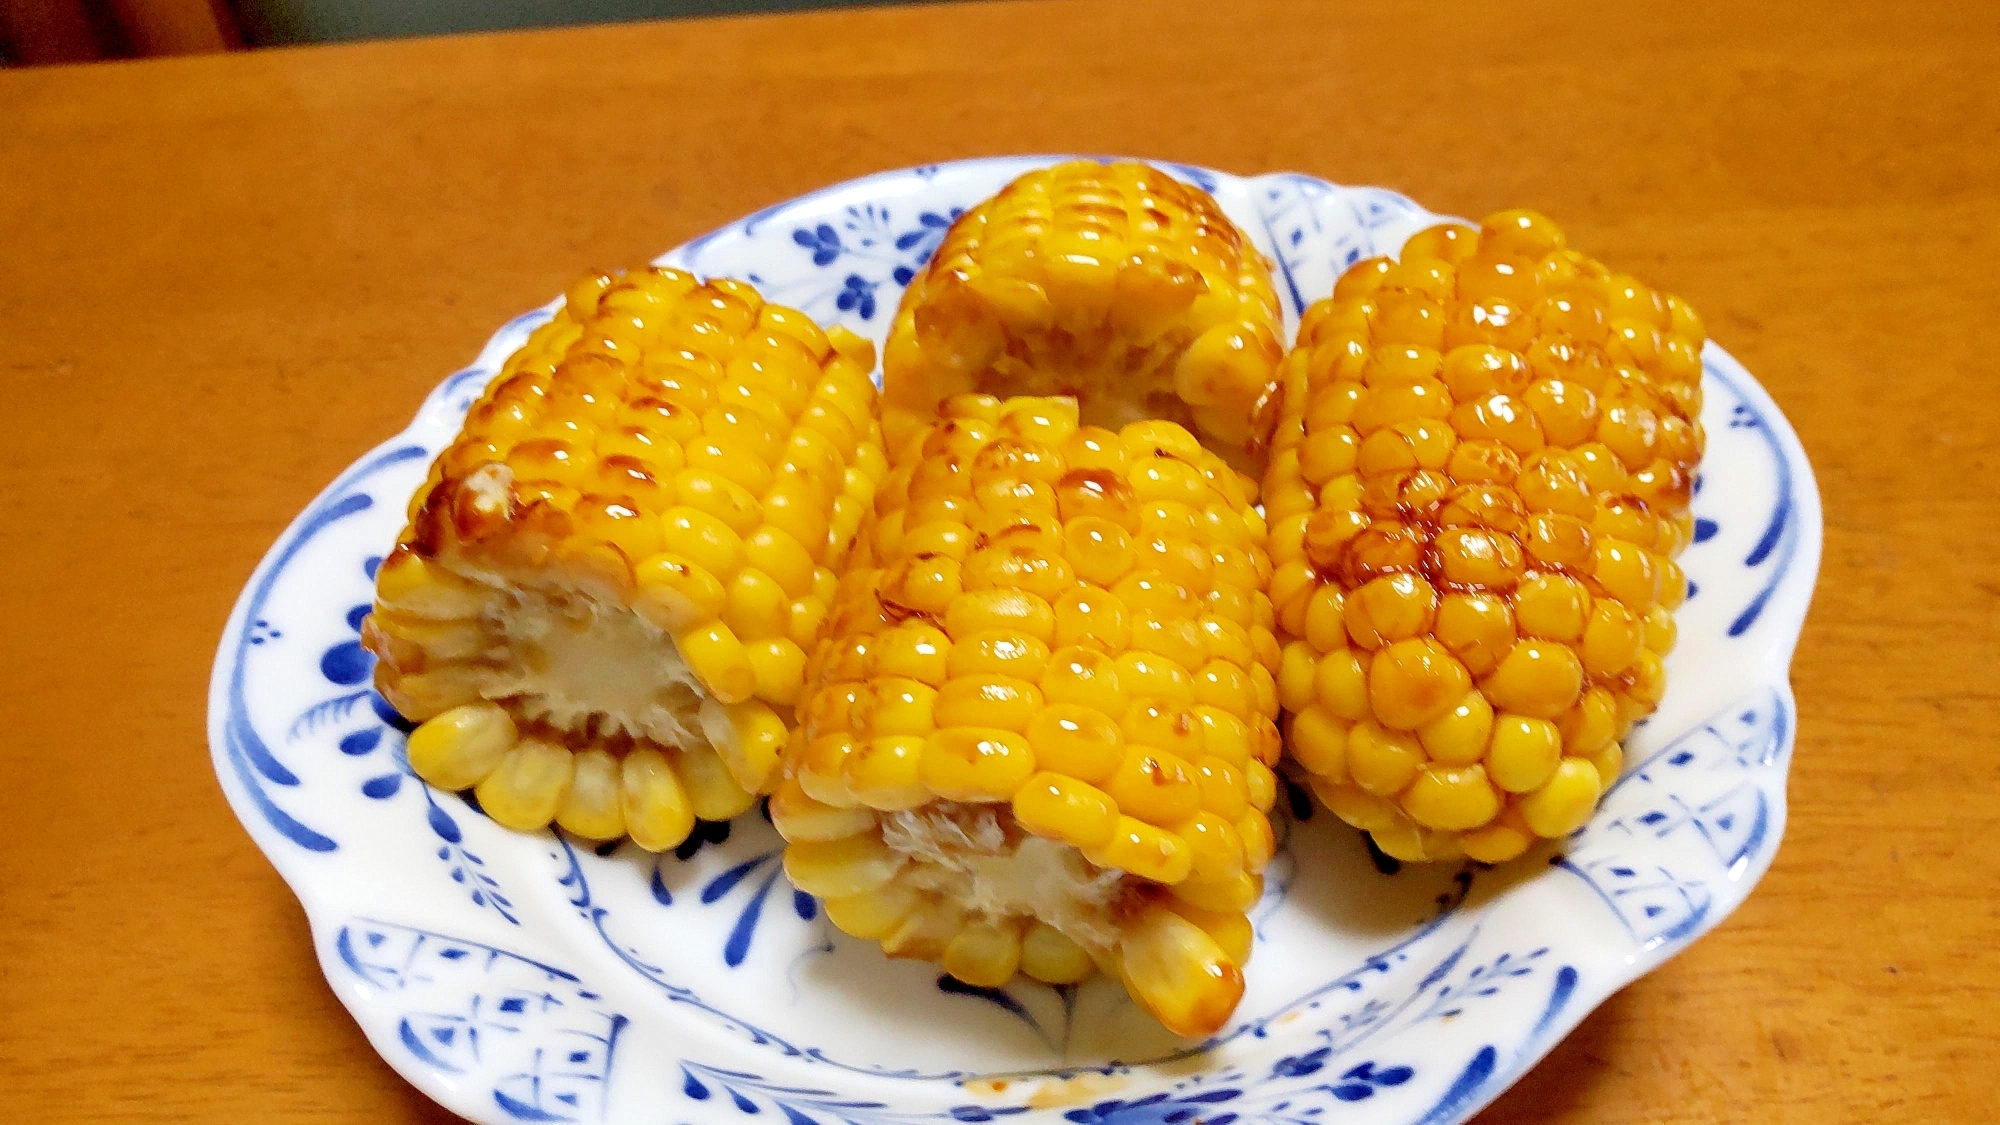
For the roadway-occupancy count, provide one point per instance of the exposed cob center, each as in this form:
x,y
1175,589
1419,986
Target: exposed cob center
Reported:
x,y
1039,732
1480,479
600,608
1115,284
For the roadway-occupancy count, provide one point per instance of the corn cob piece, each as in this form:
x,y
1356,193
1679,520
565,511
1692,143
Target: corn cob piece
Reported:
x,y
1039,730
1112,283
1479,482
601,607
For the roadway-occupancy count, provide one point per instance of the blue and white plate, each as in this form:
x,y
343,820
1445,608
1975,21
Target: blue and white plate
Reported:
x,y
523,978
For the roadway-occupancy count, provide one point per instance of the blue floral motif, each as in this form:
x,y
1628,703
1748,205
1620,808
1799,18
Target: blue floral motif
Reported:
x,y
1695,787
743,877
877,251
542,1041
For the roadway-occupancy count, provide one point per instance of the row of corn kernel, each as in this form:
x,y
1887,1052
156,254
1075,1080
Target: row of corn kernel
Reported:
x,y
651,793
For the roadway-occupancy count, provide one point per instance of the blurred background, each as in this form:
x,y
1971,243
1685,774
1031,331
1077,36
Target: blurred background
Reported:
x,y
41,32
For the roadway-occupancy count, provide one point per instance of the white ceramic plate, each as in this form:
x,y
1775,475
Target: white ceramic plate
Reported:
x,y
518,978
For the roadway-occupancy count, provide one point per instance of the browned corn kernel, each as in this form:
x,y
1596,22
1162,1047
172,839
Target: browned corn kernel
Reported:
x,y
600,609
1479,478
1079,732
1113,283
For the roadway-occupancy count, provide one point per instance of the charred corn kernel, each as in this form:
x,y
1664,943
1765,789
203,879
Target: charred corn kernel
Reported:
x,y
592,808
459,748
984,955
657,813
1486,446
1052,957
1113,283
526,789
841,868
1156,786
872,915
1095,701
1180,974
608,546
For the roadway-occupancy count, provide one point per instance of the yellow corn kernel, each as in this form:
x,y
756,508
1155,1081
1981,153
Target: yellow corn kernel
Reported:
x,y
1050,956
1538,678
1144,850
715,655
527,788
984,955
1413,682
891,705
1180,974
1000,610
1451,798
872,915
987,701
1229,929
1076,740
1154,785
882,773
778,668
1459,737
798,817
971,764
842,868
1561,805
657,813
1065,809
1214,845
461,747
675,594
1319,742
748,737
1382,761
1238,893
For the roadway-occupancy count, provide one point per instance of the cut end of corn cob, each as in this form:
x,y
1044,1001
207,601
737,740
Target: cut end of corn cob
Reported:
x,y
1112,283
600,610
1478,485
1038,733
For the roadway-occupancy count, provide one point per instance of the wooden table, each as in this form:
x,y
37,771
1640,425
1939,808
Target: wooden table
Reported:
x,y
222,278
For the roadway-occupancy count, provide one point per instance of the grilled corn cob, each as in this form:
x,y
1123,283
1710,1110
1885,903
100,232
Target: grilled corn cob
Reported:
x,y
601,607
1479,482
1039,731
1113,283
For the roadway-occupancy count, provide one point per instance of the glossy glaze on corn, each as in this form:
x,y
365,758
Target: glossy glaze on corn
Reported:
x,y
1479,482
600,610
1112,283
1038,734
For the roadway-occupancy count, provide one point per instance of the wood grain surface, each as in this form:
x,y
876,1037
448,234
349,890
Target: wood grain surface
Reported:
x,y
222,278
